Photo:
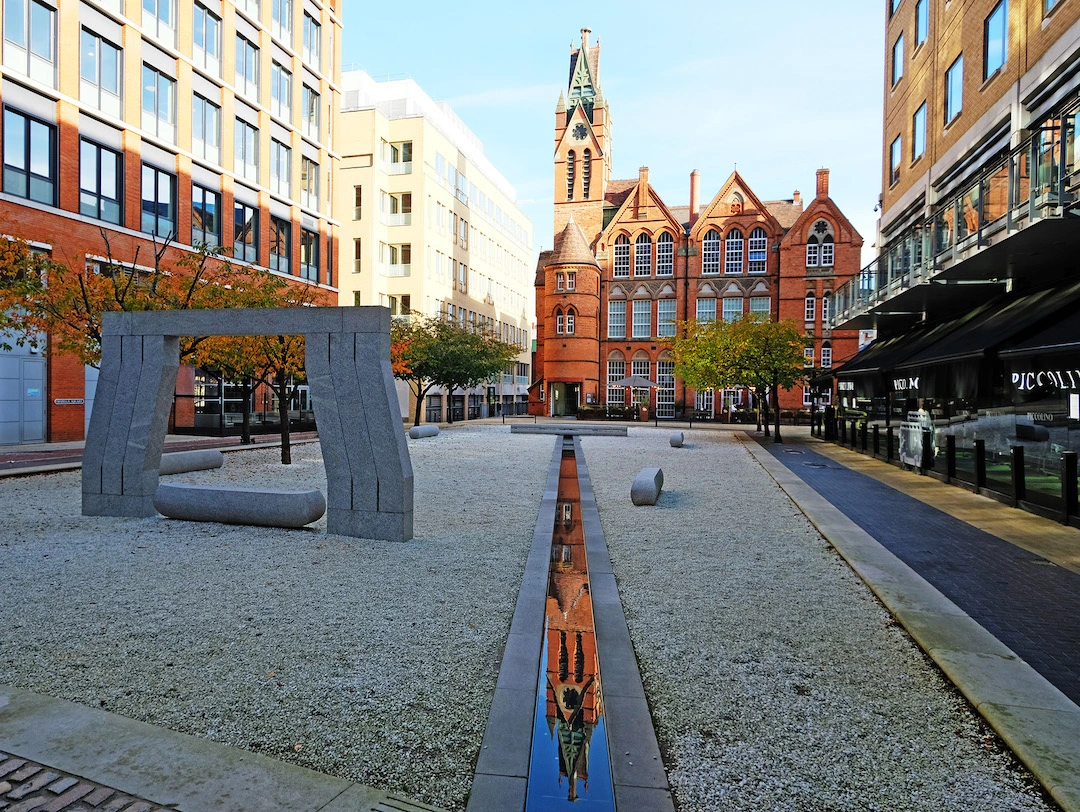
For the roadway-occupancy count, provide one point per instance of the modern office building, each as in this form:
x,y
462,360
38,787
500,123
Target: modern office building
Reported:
x,y
206,122
430,227
626,268
974,292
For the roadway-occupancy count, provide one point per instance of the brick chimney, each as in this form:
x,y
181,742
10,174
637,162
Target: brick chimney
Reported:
x,y
796,197
585,39
643,190
823,182
695,180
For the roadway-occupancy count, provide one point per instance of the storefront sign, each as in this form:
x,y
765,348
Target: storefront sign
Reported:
x,y
33,393
904,384
1060,379
846,386
69,401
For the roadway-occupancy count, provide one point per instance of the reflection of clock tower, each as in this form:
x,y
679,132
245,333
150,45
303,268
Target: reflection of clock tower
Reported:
x,y
582,144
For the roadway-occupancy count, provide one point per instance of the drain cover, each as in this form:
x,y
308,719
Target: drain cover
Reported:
x,y
815,465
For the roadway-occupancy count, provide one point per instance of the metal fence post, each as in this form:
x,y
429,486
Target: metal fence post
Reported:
x,y
927,461
1068,485
1018,483
862,437
950,457
980,465
888,443
877,441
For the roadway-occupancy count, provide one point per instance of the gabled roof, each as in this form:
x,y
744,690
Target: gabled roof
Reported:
x,y
545,258
817,207
735,181
786,212
592,142
628,200
617,190
572,248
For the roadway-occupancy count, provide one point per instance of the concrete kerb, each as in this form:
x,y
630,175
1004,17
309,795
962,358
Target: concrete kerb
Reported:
x,y
1033,718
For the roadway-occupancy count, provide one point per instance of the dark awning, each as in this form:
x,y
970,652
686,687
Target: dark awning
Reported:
x,y
1063,335
884,355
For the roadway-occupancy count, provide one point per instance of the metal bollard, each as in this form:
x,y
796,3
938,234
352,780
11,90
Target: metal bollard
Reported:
x,y
927,461
950,457
1018,481
980,465
1068,485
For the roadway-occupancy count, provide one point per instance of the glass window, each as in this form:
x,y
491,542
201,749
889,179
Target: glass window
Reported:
x,y
358,199
643,255
309,112
245,233
205,129
826,299
159,19
99,72
826,356
280,244
158,202
100,173
281,16
280,91
280,168
309,255
665,317
895,153
616,371
312,47
642,324
246,151
250,7
247,68
159,104
622,256
760,304
30,39
898,59
995,39
309,183
1048,6
206,41
827,252
570,322
733,252
918,132
808,356
813,252
571,280
809,307
710,253
616,321
205,217
922,21
706,310
665,255
758,248
733,309
29,158
954,89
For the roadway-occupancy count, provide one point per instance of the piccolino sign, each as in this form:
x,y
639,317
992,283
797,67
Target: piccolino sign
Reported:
x,y
904,384
1067,379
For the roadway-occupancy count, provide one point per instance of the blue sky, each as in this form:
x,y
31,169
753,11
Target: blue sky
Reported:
x,y
778,88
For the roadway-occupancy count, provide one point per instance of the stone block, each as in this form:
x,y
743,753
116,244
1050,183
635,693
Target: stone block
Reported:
x,y
250,506
182,462
370,524
329,420
429,430
646,487
112,504
366,319
676,439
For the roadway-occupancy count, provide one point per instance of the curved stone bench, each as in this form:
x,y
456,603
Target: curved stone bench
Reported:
x,y
183,462
428,430
676,439
646,487
252,506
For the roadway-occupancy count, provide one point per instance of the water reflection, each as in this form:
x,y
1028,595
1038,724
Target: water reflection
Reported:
x,y
569,763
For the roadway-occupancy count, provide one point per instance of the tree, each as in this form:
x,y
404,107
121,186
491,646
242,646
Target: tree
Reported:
x,y
429,352
750,352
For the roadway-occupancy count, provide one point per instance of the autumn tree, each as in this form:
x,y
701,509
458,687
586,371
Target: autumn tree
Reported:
x,y
752,352
427,352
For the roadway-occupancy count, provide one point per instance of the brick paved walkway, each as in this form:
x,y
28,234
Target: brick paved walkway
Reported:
x,y
26,786
1028,603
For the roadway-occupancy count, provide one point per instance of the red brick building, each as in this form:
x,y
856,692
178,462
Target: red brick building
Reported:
x,y
641,266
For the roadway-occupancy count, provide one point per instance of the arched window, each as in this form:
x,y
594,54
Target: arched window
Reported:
x,y
560,322
570,322
813,252
733,252
826,353
828,252
810,308
616,371
586,172
826,302
622,256
643,255
665,255
710,253
571,157
758,250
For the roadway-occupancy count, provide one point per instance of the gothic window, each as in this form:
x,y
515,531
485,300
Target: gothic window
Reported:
x,y
733,252
665,255
622,256
827,252
643,255
813,252
826,300
560,322
710,253
570,321
586,172
570,159
810,307
758,249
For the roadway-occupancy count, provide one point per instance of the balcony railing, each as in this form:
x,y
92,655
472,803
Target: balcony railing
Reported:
x,y
1037,180
398,270
400,168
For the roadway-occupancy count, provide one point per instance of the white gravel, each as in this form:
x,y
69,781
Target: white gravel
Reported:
x,y
368,660
775,678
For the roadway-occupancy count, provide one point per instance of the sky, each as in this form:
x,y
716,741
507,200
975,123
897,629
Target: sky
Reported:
x,y
776,89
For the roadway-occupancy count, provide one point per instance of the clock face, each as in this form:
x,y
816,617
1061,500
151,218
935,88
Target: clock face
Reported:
x,y
580,132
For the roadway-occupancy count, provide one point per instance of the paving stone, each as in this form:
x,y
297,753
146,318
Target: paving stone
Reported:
x,y
62,785
28,770
99,795
69,797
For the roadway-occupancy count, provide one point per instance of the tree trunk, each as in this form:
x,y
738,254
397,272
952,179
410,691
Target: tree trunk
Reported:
x,y
450,406
765,411
245,426
283,416
419,406
776,404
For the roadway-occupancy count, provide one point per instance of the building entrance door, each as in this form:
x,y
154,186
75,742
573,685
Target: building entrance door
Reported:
x,y
22,399
565,398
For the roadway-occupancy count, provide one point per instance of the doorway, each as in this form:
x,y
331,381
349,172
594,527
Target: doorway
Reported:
x,y
565,399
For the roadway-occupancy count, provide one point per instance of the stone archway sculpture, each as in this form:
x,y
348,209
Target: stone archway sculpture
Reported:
x,y
369,475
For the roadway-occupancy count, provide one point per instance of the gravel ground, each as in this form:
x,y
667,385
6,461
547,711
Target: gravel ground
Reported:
x,y
775,678
368,660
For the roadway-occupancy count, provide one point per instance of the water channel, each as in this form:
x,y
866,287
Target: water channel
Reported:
x,y
569,766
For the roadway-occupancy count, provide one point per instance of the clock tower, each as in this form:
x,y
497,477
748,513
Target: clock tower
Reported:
x,y
582,145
